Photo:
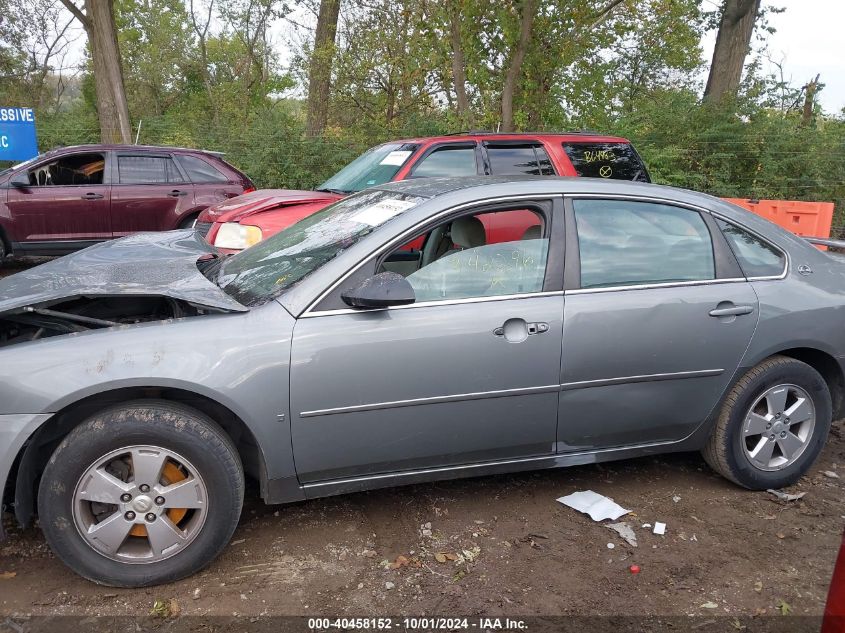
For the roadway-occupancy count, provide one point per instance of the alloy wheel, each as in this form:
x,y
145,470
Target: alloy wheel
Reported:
x,y
778,427
140,504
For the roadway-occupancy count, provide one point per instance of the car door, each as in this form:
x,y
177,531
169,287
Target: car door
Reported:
x,y
467,374
658,316
61,204
151,193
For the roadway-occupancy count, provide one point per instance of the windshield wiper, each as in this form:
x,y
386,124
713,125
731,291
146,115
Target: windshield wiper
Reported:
x,y
339,192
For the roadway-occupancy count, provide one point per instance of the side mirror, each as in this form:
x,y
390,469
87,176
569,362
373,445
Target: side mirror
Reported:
x,y
380,291
20,181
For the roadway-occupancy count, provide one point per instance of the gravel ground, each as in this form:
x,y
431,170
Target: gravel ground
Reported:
x,y
494,546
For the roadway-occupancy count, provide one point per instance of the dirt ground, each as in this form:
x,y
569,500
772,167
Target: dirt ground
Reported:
x,y
726,551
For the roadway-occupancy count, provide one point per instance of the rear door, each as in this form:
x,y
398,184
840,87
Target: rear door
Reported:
x,y
150,193
64,205
658,316
516,158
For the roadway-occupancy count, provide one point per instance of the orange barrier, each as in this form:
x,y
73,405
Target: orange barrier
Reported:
x,y
808,219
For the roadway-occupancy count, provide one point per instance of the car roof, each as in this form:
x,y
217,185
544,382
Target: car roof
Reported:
x,y
584,136
472,188
118,146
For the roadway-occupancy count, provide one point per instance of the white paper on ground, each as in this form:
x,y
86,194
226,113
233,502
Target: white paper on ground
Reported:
x,y
381,212
659,528
597,506
395,158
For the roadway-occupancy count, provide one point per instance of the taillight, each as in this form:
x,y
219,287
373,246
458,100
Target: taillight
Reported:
x,y
249,189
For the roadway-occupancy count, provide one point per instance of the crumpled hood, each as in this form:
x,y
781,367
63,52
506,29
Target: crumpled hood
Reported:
x,y
145,264
240,207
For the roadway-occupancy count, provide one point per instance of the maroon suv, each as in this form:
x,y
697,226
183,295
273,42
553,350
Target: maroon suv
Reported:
x,y
72,197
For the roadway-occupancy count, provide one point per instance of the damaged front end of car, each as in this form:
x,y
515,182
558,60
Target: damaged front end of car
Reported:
x,y
142,278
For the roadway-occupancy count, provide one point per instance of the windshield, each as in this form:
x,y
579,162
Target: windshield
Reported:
x,y
374,167
262,272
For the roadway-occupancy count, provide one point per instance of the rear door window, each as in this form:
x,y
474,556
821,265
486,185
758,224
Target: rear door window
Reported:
x,y
147,170
447,161
519,160
200,171
627,243
615,161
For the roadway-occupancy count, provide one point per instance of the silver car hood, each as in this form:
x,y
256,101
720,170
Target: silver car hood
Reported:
x,y
145,264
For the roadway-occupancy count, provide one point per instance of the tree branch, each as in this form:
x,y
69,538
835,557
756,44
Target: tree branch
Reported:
x,y
77,13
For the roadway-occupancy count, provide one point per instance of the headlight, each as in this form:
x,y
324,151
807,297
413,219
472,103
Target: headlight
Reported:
x,y
237,236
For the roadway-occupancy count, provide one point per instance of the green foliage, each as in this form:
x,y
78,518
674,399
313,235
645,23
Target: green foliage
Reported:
x,y
636,72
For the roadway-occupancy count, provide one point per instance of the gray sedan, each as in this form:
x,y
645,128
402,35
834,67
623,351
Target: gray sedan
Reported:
x,y
419,331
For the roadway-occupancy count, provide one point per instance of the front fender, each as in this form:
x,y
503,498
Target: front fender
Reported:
x,y
240,361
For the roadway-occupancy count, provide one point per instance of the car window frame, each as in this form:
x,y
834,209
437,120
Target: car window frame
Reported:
x,y
115,180
106,169
434,147
529,142
784,253
727,268
552,283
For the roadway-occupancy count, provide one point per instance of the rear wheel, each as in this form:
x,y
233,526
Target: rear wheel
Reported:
x,y
142,494
772,425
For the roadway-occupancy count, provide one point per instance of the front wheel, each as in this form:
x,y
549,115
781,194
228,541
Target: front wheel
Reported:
x,y
141,494
772,426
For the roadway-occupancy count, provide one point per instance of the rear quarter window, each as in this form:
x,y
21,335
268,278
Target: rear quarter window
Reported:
x,y
756,257
614,161
200,171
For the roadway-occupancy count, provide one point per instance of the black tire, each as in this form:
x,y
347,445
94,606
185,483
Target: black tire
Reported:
x,y
170,426
725,451
188,223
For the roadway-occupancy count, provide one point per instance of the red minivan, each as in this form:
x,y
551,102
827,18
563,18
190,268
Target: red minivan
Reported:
x,y
73,197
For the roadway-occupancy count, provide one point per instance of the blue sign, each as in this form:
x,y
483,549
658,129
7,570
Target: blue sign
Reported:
x,y
17,134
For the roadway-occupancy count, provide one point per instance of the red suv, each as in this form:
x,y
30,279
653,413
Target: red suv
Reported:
x,y
240,223
72,197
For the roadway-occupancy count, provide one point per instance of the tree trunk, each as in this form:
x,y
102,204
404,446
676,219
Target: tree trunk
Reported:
x,y
526,22
112,107
320,70
809,101
458,64
732,44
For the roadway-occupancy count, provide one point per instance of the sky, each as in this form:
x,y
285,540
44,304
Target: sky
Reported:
x,y
808,41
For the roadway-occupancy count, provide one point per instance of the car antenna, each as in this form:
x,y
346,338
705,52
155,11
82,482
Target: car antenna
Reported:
x,y
138,133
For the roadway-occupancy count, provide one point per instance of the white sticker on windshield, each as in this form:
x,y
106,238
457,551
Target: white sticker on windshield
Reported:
x,y
381,212
395,158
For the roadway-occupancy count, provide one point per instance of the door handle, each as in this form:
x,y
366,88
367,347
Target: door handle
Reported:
x,y
516,330
176,193
732,311
92,196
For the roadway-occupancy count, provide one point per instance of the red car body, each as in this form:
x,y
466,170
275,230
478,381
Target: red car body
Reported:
x,y
834,613
72,197
572,154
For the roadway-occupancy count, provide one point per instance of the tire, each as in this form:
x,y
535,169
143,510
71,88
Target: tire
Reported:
x,y
188,223
735,449
196,452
